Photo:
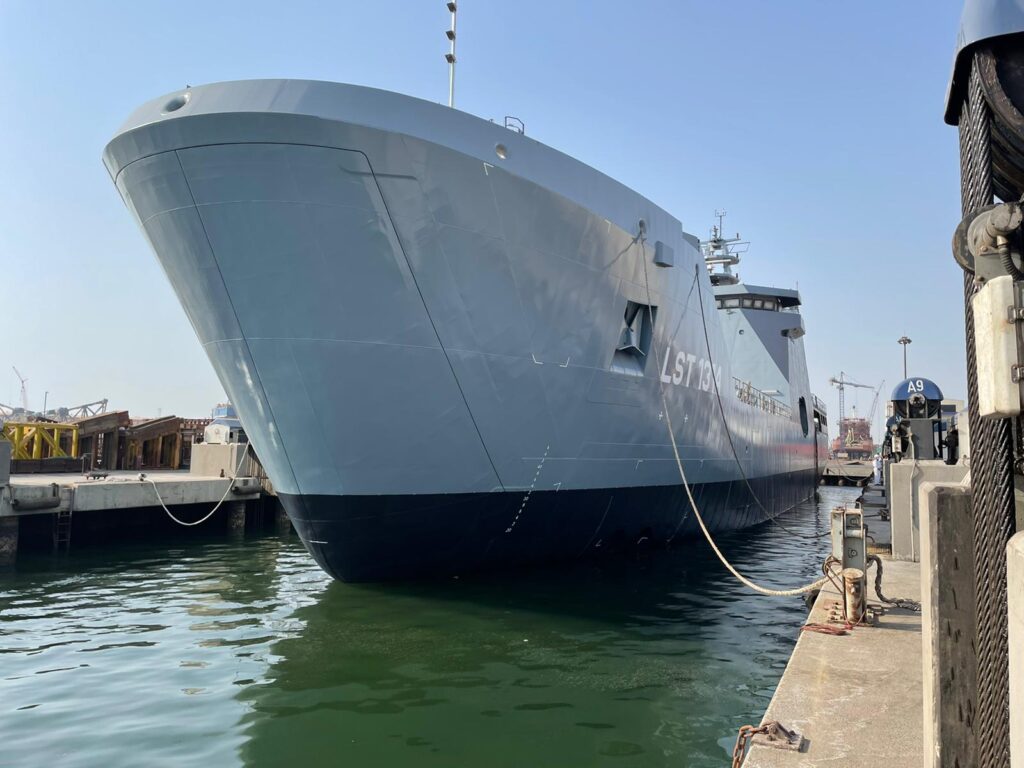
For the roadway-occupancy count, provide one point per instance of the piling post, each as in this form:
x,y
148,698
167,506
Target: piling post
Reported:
x,y
236,516
282,522
8,539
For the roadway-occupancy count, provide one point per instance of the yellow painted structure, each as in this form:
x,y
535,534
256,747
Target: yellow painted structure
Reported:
x,y
41,440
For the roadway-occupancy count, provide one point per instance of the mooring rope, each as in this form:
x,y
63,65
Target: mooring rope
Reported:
x,y
721,407
728,432
208,515
679,462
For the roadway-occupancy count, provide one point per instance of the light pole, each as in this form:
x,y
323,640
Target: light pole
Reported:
x,y
903,341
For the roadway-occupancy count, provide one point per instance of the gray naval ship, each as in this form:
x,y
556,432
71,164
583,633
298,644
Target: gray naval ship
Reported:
x,y
443,337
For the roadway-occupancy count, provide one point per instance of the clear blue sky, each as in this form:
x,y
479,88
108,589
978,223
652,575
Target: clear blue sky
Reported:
x,y
818,126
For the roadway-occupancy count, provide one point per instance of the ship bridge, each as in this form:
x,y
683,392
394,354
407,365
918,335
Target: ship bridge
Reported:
x,y
742,296
762,327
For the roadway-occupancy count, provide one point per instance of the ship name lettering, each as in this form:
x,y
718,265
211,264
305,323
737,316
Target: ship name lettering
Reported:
x,y
682,370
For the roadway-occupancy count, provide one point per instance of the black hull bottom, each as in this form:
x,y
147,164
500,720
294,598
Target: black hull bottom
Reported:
x,y
385,538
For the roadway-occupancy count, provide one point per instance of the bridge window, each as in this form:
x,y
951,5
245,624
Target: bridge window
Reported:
x,y
750,302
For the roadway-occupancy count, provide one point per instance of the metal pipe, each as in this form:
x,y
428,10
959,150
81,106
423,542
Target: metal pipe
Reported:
x,y
451,56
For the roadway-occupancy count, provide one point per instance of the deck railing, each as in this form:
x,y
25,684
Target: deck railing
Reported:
x,y
751,395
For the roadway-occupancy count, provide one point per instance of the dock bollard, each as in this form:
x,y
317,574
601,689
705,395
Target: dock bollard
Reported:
x,y
854,587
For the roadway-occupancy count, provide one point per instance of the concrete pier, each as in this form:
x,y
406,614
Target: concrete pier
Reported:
x,y
118,490
856,698
62,496
905,691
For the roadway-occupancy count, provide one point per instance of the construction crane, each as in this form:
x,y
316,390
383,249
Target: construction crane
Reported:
x,y
841,384
24,392
874,405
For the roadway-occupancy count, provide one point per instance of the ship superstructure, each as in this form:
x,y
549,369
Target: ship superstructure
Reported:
x,y
440,335
854,440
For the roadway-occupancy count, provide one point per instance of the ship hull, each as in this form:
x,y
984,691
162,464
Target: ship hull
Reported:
x,y
382,538
419,317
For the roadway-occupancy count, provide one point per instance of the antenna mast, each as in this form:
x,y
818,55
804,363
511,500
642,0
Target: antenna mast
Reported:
x,y
450,56
722,253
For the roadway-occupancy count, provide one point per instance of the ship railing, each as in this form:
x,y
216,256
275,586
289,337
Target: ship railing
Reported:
x,y
751,395
819,405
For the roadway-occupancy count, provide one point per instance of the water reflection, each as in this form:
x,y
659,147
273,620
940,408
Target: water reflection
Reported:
x,y
649,661
220,654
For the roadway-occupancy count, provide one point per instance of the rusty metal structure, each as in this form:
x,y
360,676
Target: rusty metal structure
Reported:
x,y
100,440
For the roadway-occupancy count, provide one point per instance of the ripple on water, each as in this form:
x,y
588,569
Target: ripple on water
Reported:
x,y
246,654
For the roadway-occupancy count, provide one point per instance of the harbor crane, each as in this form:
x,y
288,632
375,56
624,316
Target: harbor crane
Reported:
x,y
841,384
874,405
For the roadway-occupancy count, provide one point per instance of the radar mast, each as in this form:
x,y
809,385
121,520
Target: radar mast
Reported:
x,y
722,253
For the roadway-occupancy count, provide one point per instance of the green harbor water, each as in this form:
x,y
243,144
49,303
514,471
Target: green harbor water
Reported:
x,y
205,652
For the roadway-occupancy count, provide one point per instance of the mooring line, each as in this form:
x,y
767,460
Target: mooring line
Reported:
x,y
208,515
641,237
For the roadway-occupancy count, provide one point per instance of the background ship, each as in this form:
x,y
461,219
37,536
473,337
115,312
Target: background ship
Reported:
x,y
854,440
450,345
